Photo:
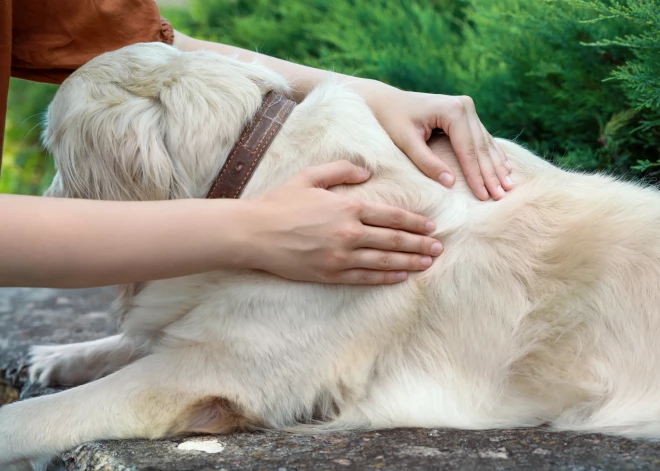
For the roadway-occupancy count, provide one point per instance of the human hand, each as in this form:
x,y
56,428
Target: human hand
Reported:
x,y
301,231
410,118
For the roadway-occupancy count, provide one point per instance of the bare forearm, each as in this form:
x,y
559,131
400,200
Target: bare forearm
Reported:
x,y
77,243
302,78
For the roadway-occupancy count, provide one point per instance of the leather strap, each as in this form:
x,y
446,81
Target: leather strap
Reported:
x,y
251,146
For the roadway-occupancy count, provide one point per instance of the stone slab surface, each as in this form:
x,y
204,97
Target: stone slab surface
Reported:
x,y
44,316
410,449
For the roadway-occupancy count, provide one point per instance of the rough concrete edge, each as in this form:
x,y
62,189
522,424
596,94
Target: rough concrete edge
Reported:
x,y
86,457
14,372
8,393
13,378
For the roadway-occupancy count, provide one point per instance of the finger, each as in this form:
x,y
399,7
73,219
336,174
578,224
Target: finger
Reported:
x,y
502,155
389,261
498,160
332,174
399,241
484,158
486,164
415,147
457,127
359,276
382,215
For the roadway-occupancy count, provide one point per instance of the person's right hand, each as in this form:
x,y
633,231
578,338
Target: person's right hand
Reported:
x,y
302,231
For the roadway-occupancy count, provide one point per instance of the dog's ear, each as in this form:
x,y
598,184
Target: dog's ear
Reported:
x,y
110,151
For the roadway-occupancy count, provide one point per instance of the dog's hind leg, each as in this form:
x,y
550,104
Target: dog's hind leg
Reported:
x,y
78,363
158,395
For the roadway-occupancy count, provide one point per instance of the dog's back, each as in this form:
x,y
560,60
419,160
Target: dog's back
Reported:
x,y
541,303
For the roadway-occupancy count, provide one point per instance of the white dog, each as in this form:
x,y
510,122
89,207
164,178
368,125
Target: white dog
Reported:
x,y
544,308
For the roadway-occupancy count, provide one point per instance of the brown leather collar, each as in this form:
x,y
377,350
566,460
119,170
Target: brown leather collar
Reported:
x,y
251,146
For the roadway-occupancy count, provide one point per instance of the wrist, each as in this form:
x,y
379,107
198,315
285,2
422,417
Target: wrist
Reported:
x,y
374,93
241,233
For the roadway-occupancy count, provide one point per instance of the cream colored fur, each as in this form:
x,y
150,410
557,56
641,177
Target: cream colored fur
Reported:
x,y
544,307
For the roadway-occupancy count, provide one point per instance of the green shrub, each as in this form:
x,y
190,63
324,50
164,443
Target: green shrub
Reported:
x,y
574,80
565,76
571,79
25,167
405,43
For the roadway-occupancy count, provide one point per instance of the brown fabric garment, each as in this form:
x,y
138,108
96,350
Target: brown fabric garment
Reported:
x,y
46,40
5,65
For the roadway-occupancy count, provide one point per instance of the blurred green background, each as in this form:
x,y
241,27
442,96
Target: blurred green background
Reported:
x,y
577,81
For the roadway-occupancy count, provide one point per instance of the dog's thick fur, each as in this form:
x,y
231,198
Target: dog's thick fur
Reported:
x,y
544,307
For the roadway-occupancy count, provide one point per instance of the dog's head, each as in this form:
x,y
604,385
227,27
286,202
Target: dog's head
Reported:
x,y
148,122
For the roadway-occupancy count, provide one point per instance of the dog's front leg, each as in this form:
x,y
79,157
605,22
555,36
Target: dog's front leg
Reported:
x,y
79,363
150,398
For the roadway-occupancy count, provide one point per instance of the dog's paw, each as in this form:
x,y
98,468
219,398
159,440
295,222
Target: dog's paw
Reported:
x,y
50,365
43,360
69,365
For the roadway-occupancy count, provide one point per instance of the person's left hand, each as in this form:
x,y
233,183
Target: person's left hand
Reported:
x,y
410,118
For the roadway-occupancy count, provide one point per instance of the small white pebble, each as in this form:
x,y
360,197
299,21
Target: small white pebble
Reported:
x,y
208,446
421,451
500,453
541,451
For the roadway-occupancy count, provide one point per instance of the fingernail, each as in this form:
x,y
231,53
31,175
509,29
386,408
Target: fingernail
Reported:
x,y
426,261
499,191
364,172
508,180
401,275
446,179
508,165
436,248
430,226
